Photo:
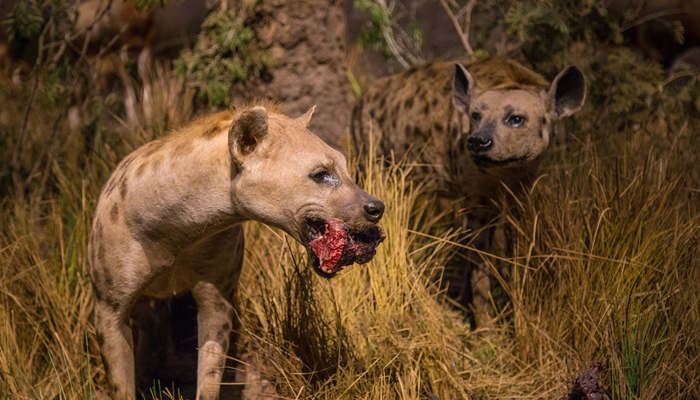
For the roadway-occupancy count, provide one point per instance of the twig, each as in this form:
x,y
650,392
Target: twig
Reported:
x,y
398,47
462,32
25,121
651,17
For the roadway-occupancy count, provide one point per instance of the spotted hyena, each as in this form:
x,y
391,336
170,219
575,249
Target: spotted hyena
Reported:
x,y
473,129
169,221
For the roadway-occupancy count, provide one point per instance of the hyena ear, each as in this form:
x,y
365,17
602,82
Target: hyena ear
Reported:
x,y
568,92
463,86
247,131
306,118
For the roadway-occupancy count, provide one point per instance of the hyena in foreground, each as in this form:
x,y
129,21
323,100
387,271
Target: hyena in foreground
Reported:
x,y
473,129
168,221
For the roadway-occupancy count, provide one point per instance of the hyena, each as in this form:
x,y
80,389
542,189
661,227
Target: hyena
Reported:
x,y
474,129
169,221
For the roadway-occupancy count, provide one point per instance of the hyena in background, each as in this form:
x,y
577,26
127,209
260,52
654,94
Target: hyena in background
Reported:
x,y
473,129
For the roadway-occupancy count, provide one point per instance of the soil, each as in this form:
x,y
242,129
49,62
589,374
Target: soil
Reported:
x,y
306,39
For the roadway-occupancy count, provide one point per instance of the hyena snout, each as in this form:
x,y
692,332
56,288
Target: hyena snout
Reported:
x,y
480,141
374,209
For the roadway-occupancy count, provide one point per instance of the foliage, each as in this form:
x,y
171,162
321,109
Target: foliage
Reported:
x,y
226,52
562,23
391,29
30,19
371,35
25,21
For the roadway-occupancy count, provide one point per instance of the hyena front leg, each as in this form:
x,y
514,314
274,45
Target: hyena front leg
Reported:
x,y
481,272
117,347
214,323
481,295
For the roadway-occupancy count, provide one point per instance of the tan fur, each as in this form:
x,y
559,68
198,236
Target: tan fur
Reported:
x,y
424,116
168,221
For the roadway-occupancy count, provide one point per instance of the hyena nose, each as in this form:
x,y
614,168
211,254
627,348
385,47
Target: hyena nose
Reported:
x,y
374,209
479,143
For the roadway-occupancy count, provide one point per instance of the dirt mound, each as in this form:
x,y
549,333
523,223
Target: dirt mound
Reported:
x,y
306,39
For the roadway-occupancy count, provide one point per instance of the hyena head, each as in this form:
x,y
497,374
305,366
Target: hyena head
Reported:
x,y
511,125
286,176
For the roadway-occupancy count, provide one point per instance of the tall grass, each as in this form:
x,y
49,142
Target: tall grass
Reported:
x,y
607,270
52,172
385,329
603,268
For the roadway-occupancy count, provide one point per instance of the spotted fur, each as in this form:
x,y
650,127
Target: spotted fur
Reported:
x,y
472,129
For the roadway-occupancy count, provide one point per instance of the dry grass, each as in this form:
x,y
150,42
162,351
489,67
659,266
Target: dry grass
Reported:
x,y
606,248
603,268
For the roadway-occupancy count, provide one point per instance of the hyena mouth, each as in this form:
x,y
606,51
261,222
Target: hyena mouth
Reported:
x,y
486,161
333,245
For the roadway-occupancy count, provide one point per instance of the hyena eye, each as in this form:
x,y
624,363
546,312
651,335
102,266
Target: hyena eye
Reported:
x,y
476,117
325,177
515,120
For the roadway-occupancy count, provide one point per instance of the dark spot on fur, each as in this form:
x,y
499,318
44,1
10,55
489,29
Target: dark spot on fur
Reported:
x,y
220,307
408,103
394,122
438,127
127,161
141,169
211,132
221,335
417,132
114,213
114,303
156,162
101,254
182,148
109,187
434,102
165,229
426,109
541,134
483,107
227,326
108,278
95,279
100,339
543,121
151,148
382,102
123,189
371,113
98,293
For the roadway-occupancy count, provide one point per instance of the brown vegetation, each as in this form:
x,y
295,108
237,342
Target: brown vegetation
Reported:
x,y
602,265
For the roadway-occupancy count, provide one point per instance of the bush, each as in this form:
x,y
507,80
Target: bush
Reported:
x,y
226,52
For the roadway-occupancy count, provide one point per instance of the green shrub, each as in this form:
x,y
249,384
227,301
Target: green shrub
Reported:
x,y
226,51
